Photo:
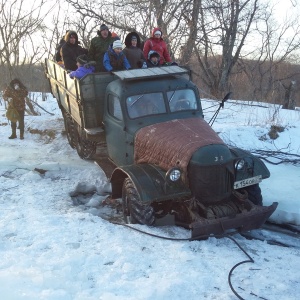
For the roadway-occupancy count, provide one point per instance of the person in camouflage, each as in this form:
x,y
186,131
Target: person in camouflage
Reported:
x,y
16,93
99,45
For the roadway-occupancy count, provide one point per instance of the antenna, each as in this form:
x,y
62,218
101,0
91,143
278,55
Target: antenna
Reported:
x,y
212,120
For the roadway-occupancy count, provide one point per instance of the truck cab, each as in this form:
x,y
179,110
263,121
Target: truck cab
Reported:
x,y
129,107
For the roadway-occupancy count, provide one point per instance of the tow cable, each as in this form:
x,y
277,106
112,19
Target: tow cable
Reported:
x,y
213,235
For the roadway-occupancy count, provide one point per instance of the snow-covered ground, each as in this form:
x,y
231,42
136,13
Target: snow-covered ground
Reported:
x,y
54,246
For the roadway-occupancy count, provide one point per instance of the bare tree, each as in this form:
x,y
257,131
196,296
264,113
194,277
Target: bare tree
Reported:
x,y
19,25
225,26
142,16
269,68
214,37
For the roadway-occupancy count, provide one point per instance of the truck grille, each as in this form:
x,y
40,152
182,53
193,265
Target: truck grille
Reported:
x,y
211,184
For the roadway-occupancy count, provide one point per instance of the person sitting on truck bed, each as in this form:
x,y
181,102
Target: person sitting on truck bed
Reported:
x,y
99,46
156,43
153,59
114,58
71,50
84,67
133,51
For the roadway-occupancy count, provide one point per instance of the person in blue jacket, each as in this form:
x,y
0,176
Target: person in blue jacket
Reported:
x,y
114,59
84,67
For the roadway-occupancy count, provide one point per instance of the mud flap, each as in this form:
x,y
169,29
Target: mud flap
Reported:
x,y
242,222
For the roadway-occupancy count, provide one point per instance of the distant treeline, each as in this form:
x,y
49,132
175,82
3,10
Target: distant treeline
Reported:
x,y
278,82
33,76
268,81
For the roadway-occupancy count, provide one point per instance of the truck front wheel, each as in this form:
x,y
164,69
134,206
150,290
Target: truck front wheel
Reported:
x,y
134,211
254,194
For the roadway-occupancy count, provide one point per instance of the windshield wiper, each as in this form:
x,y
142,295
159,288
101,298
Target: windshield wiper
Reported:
x,y
173,94
135,101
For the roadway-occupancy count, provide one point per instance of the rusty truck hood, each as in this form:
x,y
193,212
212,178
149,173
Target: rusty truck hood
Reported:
x,y
172,143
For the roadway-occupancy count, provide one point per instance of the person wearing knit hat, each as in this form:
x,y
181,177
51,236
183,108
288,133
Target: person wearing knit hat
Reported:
x,y
103,27
84,67
82,59
114,59
153,59
156,43
117,44
114,35
99,46
134,52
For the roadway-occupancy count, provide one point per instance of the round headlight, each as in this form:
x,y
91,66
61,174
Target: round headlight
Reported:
x,y
239,165
173,174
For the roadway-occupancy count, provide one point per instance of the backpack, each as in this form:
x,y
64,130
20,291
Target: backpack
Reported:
x,y
12,113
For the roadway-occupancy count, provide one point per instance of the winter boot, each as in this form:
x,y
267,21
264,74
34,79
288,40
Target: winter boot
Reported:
x,y
13,133
22,132
13,136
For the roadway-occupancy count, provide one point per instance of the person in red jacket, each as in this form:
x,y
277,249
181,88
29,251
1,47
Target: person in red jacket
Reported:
x,y
157,44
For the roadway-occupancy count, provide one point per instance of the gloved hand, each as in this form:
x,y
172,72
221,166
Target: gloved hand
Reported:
x,y
144,66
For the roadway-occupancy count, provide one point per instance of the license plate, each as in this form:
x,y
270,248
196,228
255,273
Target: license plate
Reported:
x,y
246,182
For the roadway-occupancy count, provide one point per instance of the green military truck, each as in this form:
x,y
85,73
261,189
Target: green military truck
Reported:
x,y
145,128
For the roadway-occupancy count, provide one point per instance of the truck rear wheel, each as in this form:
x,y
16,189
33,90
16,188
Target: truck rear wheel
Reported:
x,y
85,148
134,211
70,130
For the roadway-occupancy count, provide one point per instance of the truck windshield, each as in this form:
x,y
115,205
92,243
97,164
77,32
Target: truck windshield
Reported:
x,y
182,100
145,104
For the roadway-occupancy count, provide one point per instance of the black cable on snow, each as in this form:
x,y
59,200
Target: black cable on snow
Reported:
x,y
151,234
234,267
191,239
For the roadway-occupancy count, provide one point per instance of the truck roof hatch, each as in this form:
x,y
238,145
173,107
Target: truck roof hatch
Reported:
x,y
150,72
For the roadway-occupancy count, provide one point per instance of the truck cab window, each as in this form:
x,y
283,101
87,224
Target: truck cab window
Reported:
x,y
182,100
114,107
145,105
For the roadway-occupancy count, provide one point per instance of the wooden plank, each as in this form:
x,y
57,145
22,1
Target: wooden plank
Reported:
x,y
150,72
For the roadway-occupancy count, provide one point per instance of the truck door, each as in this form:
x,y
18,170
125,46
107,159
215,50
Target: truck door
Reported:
x,y
114,129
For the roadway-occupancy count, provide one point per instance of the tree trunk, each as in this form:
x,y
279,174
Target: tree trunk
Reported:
x,y
289,99
31,108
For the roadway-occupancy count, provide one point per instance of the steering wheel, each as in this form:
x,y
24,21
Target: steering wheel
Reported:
x,y
182,104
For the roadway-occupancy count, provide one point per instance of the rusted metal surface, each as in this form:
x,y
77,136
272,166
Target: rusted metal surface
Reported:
x,y
172,143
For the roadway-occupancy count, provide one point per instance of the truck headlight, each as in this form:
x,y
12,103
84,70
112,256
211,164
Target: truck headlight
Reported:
x,y
239,165
173,174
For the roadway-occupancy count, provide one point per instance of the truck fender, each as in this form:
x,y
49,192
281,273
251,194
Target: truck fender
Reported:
x,y
150,182
254,166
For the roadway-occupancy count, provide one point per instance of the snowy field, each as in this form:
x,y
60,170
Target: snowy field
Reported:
x,y
57,247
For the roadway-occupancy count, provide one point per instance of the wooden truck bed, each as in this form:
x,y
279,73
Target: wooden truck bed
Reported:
x,y
82,99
